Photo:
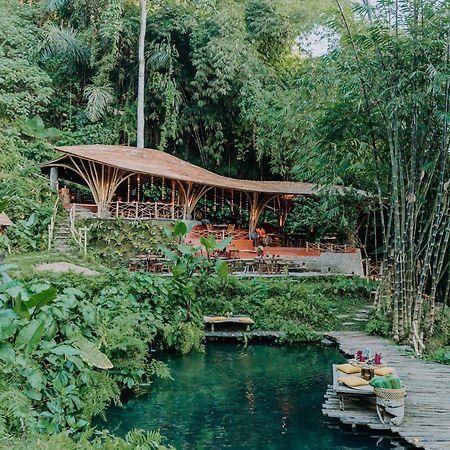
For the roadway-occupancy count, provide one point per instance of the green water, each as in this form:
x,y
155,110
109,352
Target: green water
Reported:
x,y
253,398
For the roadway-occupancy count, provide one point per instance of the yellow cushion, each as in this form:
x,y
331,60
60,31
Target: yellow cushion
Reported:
x,y
245,320
217,318
353,381
348,368
381,371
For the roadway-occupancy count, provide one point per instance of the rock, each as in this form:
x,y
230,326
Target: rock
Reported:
x,y
65,267
326,342
405,348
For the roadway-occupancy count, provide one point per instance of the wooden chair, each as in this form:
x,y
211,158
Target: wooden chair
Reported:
x,y
230,228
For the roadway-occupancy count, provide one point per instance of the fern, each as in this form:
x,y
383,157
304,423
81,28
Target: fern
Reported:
x,y
16,410
145,440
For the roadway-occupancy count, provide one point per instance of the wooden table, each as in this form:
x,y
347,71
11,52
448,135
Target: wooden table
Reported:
x,y
233,253
342,390
212,320
351,392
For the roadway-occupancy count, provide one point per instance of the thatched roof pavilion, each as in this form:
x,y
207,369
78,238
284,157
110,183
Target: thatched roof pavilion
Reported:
x,y
104,168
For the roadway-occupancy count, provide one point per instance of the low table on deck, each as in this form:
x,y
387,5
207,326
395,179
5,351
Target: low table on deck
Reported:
x,y
244,320
394,408
342,390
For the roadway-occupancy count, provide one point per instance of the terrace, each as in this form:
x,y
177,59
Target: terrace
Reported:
x,y
145,184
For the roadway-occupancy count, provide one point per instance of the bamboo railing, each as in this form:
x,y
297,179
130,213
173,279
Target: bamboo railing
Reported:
x,y
51,226
79,235
146,210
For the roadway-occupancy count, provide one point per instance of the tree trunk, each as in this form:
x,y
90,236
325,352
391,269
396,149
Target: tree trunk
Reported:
x,y
141,79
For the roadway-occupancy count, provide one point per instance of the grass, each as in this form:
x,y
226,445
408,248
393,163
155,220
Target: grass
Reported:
x,y
283,303
26,262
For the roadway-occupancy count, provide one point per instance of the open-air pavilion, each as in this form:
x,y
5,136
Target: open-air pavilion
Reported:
x,y
142,183
116,176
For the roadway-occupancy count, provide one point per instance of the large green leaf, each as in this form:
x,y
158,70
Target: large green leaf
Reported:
x,y
35,127
91,355
222,245
208,242
8,324
186,249
166,252
66,350
41,299
7,353
20,308
30,335
8,330
180,229
3,204
221,268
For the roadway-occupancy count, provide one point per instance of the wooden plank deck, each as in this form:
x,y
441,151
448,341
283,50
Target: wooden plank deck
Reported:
x,y
240,334
427,404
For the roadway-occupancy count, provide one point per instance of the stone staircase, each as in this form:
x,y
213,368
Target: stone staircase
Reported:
x,y
81,212
356,319
61,236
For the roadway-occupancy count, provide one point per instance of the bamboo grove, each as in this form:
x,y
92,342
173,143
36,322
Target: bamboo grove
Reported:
x,y
405,92
230,86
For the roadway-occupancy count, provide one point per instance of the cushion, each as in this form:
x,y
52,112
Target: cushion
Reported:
x,y
380,371
217,318
348,368
353,381
245,320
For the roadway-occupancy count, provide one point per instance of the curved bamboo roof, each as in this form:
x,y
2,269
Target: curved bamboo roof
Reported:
x,y
160,164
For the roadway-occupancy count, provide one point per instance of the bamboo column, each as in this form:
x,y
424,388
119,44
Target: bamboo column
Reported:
x,y
102,180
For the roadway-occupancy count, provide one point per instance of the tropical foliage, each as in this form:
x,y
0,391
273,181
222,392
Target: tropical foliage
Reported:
x,y
229,85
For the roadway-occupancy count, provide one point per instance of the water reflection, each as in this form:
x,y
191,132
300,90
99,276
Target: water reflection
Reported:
x,y
256,398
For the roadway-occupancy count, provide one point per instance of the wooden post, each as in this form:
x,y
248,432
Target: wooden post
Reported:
x,y
117,208
85,241
156,210
54,178
138,188
173,199
137,209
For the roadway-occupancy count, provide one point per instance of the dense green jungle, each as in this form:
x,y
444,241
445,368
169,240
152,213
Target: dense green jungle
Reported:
x,y
326,91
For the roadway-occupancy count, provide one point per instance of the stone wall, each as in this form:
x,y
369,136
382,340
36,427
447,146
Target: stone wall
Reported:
x,y
338,263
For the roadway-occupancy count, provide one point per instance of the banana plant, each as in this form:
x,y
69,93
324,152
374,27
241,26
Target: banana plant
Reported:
x,y
187,261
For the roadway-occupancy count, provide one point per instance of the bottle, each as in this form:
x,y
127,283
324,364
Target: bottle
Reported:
x,y
377,359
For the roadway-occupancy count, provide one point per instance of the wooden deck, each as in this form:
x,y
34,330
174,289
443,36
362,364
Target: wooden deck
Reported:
x,y
239,334
427,404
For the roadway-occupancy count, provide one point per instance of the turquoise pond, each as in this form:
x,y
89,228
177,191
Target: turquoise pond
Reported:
x,y
231,397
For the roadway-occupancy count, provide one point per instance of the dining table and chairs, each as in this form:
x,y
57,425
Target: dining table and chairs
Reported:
x,y
149,262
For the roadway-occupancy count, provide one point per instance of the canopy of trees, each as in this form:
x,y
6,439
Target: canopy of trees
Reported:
x,y
228,86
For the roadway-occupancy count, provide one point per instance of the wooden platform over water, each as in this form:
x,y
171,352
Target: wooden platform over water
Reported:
x,y
427,404
242,334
